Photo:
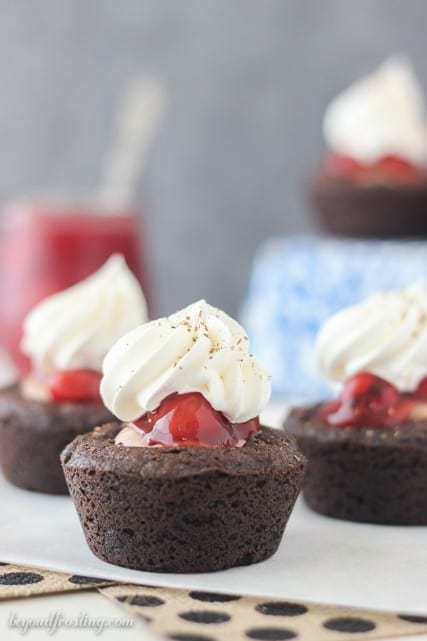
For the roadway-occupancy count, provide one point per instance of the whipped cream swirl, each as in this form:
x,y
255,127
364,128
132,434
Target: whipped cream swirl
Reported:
x,y
385,335
198,349
379,115
75,328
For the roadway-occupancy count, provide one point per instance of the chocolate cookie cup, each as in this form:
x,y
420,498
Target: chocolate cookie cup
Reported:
x,y
344,208
365,474
33,435
188,509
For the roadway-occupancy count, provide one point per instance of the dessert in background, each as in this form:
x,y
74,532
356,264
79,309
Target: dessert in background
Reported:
x,y
298,282
47,246
367,449
373,178
188,481
8,371
66,337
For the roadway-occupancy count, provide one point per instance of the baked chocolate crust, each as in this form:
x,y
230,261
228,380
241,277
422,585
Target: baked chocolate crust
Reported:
x,y
33,434
183,509
373,475
348,209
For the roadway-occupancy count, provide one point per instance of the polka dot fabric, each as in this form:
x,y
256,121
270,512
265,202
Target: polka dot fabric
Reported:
x,y
18,581
181,615
204,616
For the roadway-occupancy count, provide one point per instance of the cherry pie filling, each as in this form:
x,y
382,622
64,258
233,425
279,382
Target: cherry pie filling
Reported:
x,y
388,169
64,386
370,401
189,420
180,420
75,386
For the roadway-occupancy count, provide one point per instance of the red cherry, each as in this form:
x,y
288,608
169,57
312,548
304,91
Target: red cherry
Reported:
x,y
75,386
242,431
190,420
365,400
371,390
341,165
398,168
421,391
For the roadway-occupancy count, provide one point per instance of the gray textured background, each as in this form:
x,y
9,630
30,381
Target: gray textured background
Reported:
x,y
248,81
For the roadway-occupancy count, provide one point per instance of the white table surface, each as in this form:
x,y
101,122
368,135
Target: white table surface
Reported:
x,y
320,560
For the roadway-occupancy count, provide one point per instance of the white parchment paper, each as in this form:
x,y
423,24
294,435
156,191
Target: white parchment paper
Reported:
x,y
320,559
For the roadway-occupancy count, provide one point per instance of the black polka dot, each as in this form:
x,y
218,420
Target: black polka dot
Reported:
x,y
205,616
122,597
20,578
281,608
213,597
413,618
77,579
349,624
146,601
190,637
270,634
